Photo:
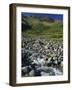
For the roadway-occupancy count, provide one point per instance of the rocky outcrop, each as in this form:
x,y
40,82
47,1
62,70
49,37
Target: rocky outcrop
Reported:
x,y
41,57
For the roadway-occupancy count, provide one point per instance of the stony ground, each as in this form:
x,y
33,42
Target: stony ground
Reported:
x,y
41,57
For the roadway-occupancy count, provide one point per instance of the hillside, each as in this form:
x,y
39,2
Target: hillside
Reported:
x,y
42,27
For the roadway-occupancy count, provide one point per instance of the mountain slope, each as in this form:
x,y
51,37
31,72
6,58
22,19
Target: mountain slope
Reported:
x,y
42,27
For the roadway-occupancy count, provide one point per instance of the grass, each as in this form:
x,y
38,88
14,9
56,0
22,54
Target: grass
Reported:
x,y
44,29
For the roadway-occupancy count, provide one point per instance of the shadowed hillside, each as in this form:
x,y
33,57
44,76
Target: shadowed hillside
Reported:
x,y
42,27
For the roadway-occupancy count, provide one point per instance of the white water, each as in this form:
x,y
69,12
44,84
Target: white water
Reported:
x,y
46,71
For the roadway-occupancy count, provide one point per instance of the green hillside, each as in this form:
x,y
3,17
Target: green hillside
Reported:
x,y
35,27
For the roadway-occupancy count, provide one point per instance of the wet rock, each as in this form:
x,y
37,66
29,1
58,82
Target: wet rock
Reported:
x,y
31,73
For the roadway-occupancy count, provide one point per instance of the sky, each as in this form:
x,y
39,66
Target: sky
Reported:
x,y
53,16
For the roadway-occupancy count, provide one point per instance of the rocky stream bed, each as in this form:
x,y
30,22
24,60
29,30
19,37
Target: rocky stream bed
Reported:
x,y
41,57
